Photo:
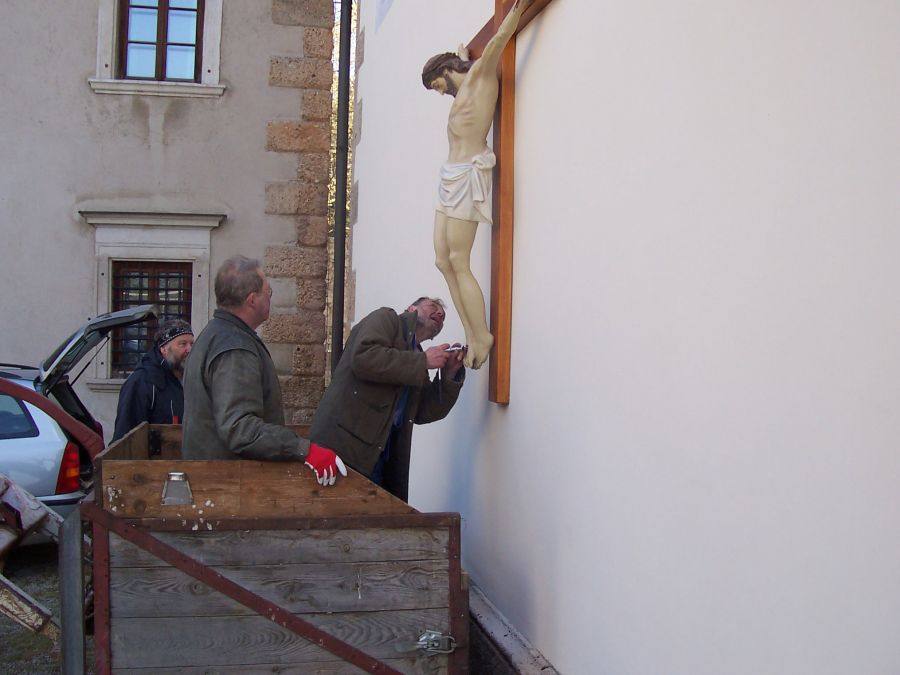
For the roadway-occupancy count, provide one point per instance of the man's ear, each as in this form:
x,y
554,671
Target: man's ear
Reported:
x,y
411,308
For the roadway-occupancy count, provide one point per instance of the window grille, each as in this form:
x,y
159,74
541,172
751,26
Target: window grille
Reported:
x,y
134,283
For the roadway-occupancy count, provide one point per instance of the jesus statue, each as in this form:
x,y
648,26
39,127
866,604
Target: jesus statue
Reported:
x,y
465,192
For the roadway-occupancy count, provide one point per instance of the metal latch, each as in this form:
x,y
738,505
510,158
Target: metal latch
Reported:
x,y
431,642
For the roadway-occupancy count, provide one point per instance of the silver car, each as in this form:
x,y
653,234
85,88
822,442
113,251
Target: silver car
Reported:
x,y
40,448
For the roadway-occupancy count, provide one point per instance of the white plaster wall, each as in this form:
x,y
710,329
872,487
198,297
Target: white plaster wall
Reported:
x,y
699,469
65,149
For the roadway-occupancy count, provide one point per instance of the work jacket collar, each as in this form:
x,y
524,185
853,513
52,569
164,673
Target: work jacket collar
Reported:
x,y
225,315
408,321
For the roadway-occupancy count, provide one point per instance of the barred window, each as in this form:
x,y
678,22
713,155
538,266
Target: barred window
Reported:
x,y
165,284
161,39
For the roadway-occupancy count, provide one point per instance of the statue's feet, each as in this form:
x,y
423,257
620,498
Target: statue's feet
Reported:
x,y
479,350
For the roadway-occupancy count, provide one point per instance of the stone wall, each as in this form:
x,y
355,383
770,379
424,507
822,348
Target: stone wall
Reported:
x,y
295,331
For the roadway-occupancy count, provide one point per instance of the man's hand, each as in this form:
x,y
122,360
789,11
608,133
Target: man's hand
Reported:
x,y
454,361
437,356
324,463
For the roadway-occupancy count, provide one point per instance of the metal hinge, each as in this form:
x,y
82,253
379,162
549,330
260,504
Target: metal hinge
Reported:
x,y
431,642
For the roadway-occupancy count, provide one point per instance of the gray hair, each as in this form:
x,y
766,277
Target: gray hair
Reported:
x,y
237,278
437,301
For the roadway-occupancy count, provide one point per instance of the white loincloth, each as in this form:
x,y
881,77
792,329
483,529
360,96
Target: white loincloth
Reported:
x,y
465,189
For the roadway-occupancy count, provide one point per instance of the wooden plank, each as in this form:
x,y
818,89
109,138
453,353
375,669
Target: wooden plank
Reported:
x,y
134,488
252,640
171,435
301,430
239,488
277,547
71,595
232,589
326,587
267,489
133,445
25,610
502,231
417,666
458,610
169,441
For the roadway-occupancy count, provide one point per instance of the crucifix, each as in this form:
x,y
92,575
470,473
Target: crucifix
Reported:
x,y
482,95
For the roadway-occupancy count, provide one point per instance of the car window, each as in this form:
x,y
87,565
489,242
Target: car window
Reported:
x,y
15,422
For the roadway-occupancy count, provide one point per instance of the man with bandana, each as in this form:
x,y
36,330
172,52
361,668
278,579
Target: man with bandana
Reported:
x,y
153,392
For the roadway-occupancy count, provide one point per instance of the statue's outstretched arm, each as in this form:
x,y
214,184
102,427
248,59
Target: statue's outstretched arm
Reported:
x,y
494,48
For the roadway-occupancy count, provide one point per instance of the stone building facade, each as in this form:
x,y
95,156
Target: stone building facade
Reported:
x,y
299,269
101,170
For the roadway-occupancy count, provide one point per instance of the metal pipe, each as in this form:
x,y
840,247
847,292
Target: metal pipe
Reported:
x,y
340,196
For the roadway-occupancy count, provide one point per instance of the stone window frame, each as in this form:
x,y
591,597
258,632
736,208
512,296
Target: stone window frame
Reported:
x,y
105,81
121,235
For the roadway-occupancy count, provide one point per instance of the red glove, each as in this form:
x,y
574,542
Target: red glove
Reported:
x,y
325,464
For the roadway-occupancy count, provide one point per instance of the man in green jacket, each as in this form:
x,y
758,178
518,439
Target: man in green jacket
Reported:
x,y
232,397
381,387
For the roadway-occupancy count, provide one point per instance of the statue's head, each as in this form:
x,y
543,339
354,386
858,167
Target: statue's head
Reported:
x,y
438,67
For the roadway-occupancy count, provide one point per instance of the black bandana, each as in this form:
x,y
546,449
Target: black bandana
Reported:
x,y
173,333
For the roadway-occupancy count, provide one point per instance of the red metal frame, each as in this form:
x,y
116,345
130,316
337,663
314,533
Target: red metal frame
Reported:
x,y
102,651
89,439
139,533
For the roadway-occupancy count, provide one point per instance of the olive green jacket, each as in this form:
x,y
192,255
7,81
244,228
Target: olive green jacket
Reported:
x,y
232,397
355,415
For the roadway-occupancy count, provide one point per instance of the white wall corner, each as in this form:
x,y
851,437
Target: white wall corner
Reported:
x,y
512,644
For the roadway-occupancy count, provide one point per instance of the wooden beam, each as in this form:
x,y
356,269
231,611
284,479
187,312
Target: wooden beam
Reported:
x,y
477,44
502,232
504,196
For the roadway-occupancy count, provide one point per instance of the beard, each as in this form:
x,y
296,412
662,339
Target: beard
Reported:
x,y
176,363
428,326
452,89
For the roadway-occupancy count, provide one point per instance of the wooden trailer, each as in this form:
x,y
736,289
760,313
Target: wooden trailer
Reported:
x,y
244,566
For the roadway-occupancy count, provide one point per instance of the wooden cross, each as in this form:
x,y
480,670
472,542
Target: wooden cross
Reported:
x,y
502,232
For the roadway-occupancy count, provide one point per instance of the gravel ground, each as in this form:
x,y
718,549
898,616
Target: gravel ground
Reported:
x,y
33,569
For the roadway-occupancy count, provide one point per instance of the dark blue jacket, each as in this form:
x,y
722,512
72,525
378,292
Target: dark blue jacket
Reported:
x,y
151,394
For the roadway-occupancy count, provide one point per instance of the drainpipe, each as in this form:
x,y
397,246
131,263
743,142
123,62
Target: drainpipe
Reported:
x,y
340,197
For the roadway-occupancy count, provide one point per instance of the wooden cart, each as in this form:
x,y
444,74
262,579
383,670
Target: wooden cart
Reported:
x,y
263,570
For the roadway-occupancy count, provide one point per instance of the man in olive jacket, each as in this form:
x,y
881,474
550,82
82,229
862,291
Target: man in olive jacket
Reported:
x,y
232,397
381,387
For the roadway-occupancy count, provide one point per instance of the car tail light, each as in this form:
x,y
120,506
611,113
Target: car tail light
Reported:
x,y
69,471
